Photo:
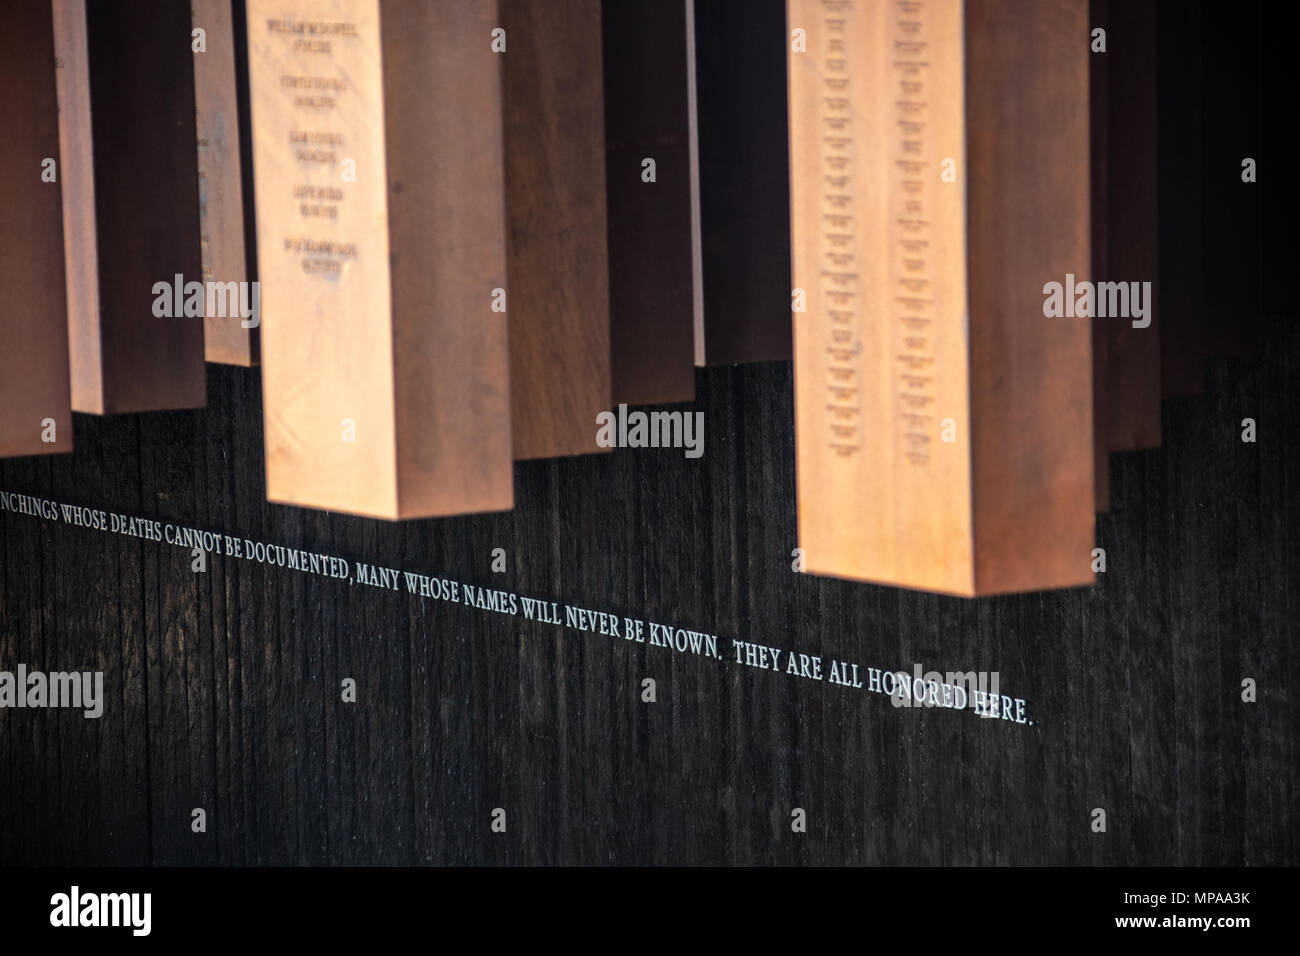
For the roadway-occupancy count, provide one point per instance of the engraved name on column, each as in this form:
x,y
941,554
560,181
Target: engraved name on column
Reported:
x,y
318,144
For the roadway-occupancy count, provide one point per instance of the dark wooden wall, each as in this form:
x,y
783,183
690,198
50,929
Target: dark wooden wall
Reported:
x,y
224,687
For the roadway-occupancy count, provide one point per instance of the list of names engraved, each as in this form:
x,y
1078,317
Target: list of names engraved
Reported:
x,y
316,86
913,180
841,285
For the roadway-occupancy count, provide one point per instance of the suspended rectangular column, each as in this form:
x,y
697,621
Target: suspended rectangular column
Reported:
x,y
35,402
378,162
130,205
940,176
1125,232
1130,205
225,174
652,180
1181,199
556,212
740,67
1098,102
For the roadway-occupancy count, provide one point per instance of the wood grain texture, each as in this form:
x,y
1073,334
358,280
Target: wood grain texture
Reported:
x,y
654,299
385,370
34,390
740,65
557,242
223,687
128,140
925,302
221,114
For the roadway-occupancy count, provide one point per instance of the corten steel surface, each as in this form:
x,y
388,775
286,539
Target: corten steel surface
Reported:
x,y
925,302
557,246
740,67
1181,188
654,294
1131,210
220,95
384,370
33,324
130,203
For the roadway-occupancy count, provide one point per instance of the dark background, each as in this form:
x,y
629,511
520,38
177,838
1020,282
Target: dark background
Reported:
x,y
223,688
